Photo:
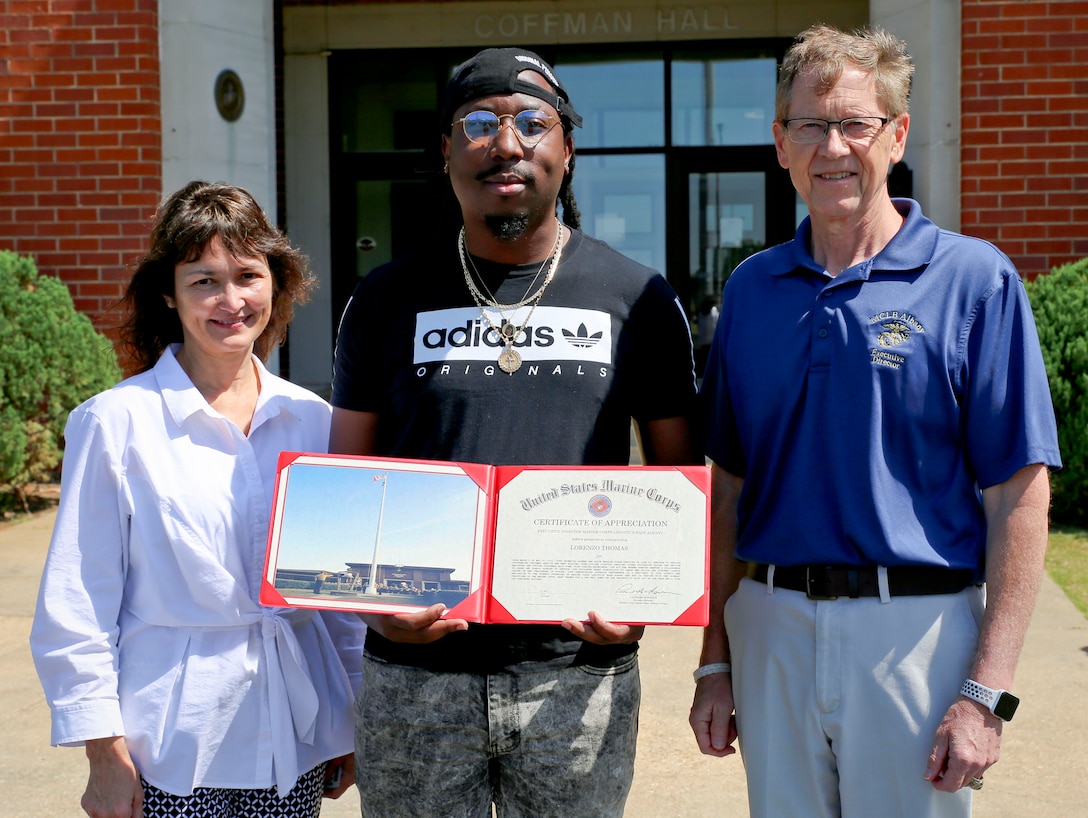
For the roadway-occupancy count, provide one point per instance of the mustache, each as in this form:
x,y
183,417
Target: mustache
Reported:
x,y
523,176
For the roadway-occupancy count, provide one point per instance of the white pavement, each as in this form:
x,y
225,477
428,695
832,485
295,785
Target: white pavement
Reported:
x,y
1043,771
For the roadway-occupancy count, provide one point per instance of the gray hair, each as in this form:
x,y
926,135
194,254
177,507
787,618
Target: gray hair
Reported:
x,y
824,51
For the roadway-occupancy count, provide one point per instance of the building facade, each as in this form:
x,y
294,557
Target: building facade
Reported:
x,y
326,112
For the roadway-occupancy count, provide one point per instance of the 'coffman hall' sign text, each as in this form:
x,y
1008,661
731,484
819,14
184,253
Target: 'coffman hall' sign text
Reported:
x,y
579,23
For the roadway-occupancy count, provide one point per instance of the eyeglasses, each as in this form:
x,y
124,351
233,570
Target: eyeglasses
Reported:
x,y
530,126
854,129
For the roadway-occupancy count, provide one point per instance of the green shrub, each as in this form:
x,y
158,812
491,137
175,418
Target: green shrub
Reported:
x,y
51,359
1060,304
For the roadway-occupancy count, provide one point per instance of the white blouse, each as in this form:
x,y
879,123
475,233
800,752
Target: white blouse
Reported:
x,y
148,624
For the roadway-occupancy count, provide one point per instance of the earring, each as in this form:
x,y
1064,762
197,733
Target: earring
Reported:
x,y
446,168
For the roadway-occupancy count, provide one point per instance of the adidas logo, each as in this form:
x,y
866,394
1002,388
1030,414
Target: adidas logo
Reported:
x,y
582,338
460,334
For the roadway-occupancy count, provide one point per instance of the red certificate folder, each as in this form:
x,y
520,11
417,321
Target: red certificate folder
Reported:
x,y
497,544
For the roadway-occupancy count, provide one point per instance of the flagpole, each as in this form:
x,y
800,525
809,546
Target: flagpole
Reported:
x,y
371,585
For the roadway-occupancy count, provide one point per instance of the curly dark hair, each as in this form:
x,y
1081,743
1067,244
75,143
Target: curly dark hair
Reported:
x,y
185,223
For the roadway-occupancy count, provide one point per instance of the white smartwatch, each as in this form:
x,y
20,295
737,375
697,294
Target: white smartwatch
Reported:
x,y
999,702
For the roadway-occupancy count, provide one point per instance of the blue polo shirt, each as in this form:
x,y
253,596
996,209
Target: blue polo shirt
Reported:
x,y
865,412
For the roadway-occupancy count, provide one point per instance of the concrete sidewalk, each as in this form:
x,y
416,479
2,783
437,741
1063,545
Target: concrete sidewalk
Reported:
x,y
1043,771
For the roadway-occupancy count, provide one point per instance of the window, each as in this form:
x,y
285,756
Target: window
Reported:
x,y
719,101
621,99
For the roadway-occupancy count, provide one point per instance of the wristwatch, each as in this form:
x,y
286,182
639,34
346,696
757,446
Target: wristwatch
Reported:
x,y
999,702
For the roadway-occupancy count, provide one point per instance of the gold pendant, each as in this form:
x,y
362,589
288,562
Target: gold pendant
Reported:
x,y
509,361
508,332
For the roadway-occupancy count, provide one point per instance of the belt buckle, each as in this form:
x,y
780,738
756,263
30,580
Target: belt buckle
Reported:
x,y
810,580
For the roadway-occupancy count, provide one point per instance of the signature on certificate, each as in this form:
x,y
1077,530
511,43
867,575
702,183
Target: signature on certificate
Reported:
x,y
631,589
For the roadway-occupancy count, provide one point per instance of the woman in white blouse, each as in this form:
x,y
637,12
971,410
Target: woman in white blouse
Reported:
x,y
148,637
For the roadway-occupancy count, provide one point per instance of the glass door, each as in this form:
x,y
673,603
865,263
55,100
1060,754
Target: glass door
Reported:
x,y
727,222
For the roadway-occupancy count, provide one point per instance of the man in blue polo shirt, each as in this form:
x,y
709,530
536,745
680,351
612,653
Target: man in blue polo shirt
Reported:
x,y
880,426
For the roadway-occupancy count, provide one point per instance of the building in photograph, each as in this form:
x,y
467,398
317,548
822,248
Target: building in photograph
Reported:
x,y
326,111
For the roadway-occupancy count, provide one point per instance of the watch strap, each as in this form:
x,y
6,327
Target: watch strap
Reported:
x,y
1001,703
985,696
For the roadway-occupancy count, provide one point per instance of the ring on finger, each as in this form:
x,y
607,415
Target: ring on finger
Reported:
x,y
975,783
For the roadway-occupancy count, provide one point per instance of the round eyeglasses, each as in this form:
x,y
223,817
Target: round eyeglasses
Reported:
x,y
854,129
530,126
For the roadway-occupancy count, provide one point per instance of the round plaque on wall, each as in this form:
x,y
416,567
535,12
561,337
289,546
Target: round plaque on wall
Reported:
x,y
230,96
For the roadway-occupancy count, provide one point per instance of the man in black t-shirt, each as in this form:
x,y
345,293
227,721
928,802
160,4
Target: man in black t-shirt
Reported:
x,y
519,341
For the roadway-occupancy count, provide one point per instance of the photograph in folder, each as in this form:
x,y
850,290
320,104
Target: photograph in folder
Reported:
x,y
361,534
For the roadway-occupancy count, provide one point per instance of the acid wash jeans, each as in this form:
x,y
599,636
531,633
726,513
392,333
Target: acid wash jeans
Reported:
x,y
553,743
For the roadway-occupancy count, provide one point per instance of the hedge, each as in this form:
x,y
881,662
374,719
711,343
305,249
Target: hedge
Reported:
x,y
51,360
1060,303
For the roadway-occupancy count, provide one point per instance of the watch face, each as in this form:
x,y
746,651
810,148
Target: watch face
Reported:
x,y
1006,706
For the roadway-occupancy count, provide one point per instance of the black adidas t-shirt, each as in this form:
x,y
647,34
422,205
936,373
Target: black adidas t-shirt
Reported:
x,y
607,342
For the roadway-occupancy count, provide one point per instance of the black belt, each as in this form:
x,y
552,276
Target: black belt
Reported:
x,y
834,581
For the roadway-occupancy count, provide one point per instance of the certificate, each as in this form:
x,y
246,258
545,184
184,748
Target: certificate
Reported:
x,y
495,544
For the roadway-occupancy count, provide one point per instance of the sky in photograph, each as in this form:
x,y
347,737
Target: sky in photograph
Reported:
x,y
331,518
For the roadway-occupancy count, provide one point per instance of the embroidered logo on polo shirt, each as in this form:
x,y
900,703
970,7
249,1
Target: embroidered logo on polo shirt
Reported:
x,y
893,328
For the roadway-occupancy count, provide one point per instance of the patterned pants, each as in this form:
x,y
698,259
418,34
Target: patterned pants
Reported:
x,y
550,743
304,801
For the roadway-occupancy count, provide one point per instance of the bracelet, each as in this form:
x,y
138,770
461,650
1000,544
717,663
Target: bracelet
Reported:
x,y
711,669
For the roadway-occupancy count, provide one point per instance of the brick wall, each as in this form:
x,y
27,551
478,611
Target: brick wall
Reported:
x,y
80,138
1025,120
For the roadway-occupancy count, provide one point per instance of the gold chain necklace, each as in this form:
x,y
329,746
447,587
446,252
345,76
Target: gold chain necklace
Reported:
x,y
466,262
488,297
508,333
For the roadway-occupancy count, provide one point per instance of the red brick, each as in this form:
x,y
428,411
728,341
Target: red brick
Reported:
x,y
1052,121
1054,26
1026,104
80,245
1002,184
55,110
980,105
101,229
98,140
1052,184
75,183
1017,73
1002,153
99,200
97,48
119,64
122,273
73,94
1056,88
1023,41
1045,153
998,57
97,79
1024,200
1049,56
56,140
1002,26
991,73
1068,168
99,290
970,10
117,94
49,49
1067,40
1049,247
98,169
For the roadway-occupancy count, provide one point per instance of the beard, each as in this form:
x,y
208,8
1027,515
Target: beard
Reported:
x,y
508,227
